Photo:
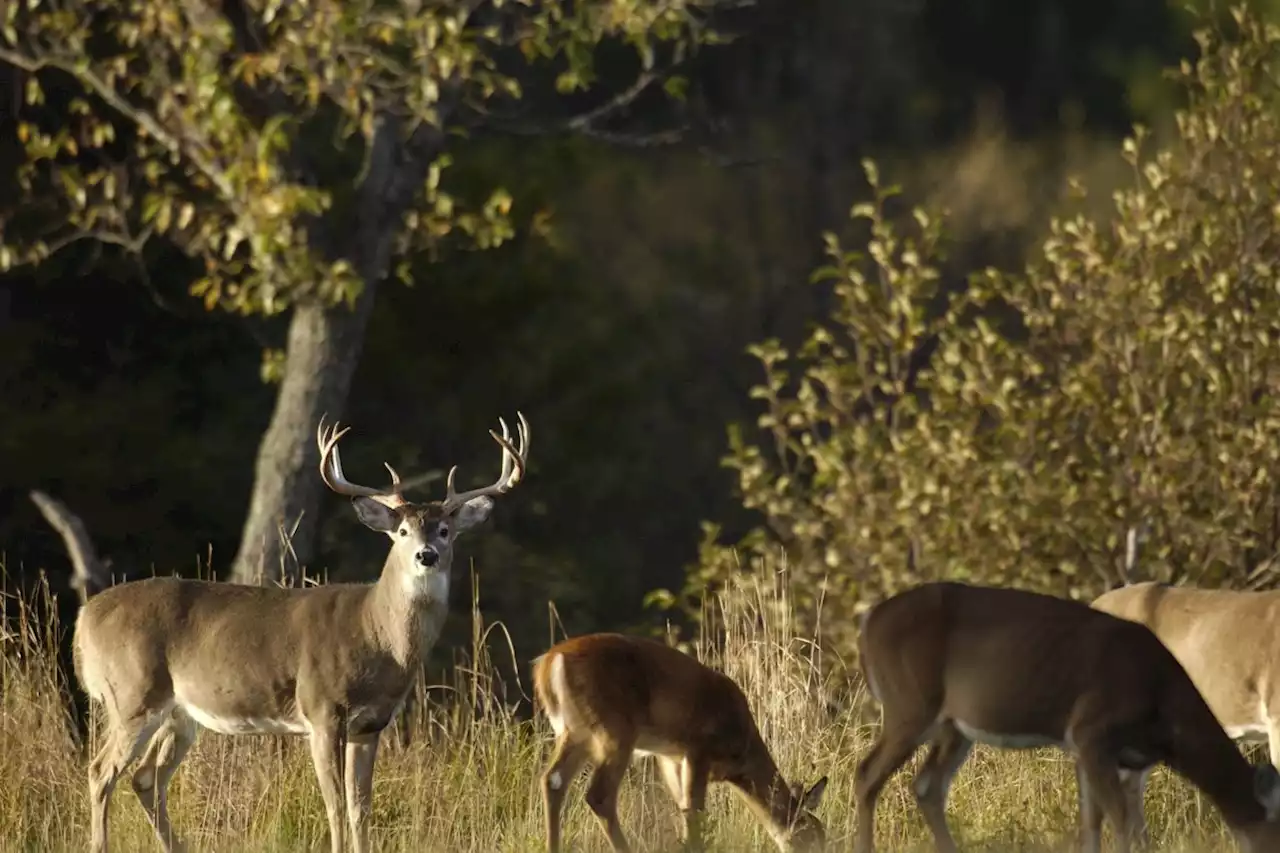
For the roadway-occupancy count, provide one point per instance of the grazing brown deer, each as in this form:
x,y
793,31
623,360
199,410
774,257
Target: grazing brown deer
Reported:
x,y
608,696
332,663
1228,641
956,664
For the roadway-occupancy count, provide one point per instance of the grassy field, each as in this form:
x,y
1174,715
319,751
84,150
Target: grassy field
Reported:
x,y
469,782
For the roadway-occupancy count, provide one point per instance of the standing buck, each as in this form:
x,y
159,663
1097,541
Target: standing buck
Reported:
x,y
608,696
954,664
332,662
1239,679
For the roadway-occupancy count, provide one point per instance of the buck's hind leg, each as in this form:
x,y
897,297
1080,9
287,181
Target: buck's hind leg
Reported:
x,y
127,737
165,751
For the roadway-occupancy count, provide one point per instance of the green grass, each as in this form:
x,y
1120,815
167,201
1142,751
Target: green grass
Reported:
x,y
469,782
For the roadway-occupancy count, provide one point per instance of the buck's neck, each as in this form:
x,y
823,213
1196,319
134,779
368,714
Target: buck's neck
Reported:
x,y
407,607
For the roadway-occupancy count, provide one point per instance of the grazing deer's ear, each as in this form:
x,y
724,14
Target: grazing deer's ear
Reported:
x,y
376,516
473,512
1266,787
813,797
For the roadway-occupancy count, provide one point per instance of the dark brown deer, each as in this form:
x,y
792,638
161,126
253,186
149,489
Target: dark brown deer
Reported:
x,y
954,664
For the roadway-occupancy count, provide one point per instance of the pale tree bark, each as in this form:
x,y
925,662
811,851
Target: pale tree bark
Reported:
x,y
323,349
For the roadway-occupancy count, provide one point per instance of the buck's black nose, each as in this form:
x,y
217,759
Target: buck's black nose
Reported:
x,y
428,556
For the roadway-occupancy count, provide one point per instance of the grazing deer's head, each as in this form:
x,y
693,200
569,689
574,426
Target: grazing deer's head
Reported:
x,y
806,831
422,534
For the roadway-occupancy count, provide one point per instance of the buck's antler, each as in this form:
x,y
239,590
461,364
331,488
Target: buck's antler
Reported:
x,y
331,470
513,461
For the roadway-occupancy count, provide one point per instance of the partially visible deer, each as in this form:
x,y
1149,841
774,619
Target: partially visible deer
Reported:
x,y
332,663
956,664
1229,643
608,696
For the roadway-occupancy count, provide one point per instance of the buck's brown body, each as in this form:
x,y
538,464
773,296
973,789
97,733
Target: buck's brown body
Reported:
x,y
955,664
608,696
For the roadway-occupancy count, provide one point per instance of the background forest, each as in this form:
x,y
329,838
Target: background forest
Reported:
x,y
220,220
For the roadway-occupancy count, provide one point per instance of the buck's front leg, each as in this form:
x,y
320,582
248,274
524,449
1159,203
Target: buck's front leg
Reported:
x,y
361,756
327,756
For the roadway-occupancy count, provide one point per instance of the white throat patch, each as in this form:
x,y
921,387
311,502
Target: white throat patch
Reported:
x,y
432,585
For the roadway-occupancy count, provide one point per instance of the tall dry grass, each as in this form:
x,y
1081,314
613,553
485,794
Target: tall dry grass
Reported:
x,y
469,782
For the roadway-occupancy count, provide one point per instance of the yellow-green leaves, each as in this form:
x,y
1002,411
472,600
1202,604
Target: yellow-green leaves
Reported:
x,y
1127,378
244,140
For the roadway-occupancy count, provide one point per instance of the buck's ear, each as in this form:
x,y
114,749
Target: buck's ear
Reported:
x,y
472,513
375,516
813,797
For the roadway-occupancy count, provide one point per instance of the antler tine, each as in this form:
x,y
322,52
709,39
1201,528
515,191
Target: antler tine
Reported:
x,y
513,459
513,465
333,476
395,478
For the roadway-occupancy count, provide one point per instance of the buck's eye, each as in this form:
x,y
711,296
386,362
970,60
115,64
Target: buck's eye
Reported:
x,y
404,531
444,531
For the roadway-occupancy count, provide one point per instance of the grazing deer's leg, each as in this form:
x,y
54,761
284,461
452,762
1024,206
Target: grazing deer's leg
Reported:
x,y
933,781
126,740
327,756
669,769
360,760
1134,783
1090,814
566,761
151,780
1102,778
602,793
694,772
896,744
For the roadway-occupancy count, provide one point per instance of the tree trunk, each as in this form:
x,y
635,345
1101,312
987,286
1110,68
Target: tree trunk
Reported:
x,y
321,356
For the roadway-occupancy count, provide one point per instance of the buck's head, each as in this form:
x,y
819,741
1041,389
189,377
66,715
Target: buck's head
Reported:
x,y
422,534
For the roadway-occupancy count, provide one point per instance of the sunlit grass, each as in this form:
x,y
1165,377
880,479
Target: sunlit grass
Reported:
x,y
469,781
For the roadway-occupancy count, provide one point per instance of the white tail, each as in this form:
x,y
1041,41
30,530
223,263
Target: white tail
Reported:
x,y
608,696
334,663
955,664
90,575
